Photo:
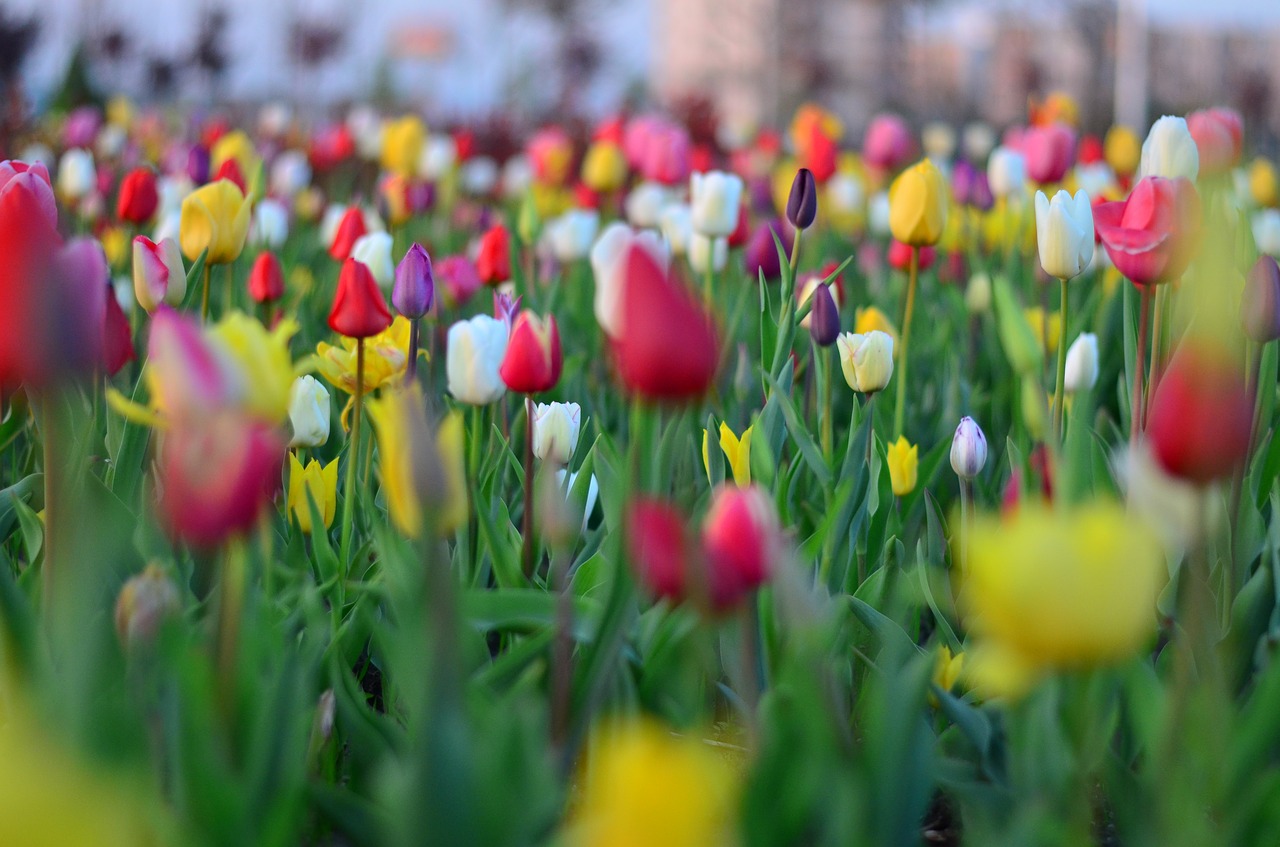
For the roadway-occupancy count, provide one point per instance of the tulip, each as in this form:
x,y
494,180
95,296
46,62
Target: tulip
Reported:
x,y
235,151
290,173
900,257
708,255
1064,230
657,547
976,140
1007,173
676,223
608,265
1122,150
1082,364
572,234
1050,152
32,179
977,294
645,203
866,360
1201,416
917,205
533,361
402,142
158,275
373,250
715,198
414,291
215,221
438,157
493,261
760,257
117,336
742,539
903,459
1264,184
1170,151
1266,232
138,198
230,171
555,431
505,308
145,603
422,473
309,412
657,308
266,280
1219,138
270,226
475,352
888,144
1260,303
359,310
939,140
257,363
77,176
566,482
314,483
351,228
1150,236
870,319
823,320
460,279
737,452
604,167
802,203
968,449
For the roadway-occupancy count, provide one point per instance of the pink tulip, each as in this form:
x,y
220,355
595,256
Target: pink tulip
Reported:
x,y
1050,152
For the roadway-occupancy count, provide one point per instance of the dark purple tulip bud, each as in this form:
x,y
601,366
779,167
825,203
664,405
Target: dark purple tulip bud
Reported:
x,y
824,317
198,164
761,254
802,205
415,287
1260,305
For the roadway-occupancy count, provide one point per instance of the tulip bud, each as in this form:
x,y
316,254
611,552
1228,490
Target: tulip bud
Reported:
x,y
918,205
1064,233
493,262
676,222
555,431
314,482
145,602
714,199
266,280
215,221
374,251
802,204
138,196
1050,151
968,449
350,229
903,459
1219,137
887,145
1201,417
645,203
1170,151
1260,305
1007,172
476,350
742,538
358,308
415,287
533,360
824,317
866,360
707,254
658,548
77,176
158,275
270,226
761,253
1082,364
309,412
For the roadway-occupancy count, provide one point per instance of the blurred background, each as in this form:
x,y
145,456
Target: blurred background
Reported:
x,y
747,62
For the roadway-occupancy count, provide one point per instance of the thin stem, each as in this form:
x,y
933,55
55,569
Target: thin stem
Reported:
x,y
231,290
562,649
966,521
825,405
353,459
52,498
527,529
473,472
1157,349
869,410
1059,393
900,406
204,296
1136,406
707,282
411,371
794,258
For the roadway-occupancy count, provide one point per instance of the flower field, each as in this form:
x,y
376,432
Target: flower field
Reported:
x,y
369,483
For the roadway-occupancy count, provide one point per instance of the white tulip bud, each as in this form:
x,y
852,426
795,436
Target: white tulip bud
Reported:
x,y
968,449
1007,172
708,253
1064,233
374,251
555,431
715,198
475,351
866,360
1082,364
1170,151
308,412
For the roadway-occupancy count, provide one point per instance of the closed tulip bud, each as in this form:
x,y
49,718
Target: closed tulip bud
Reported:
x,y
555,431
918,205
714,199
476,349
968,449
604,168
658,548
270,226
373,250
533,359
1260,305
1219,137
158,275
77,176
266,279
1007,173
145,602
1082,364
493,261
1201,416
138,196
351,228
198,164
32,180
1266,232
358,308
802,203
742,538
315,482
309,412
402,142
1050,152
572,234
866,360
1264,184
708,254
977,294
415,287
1064,233
215,218
903,459
1170,151
824,317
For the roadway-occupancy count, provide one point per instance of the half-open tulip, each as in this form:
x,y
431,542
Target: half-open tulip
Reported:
x,y
866,360
1064,232
1170,151
158,275
555,431
533,359
315,482
918,205
476,349
1151,236
215,217
358,308
737,452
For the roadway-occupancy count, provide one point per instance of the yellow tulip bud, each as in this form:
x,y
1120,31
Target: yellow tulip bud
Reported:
x,y
918,205
1123,150
215,217
1263,183
604,168
903,459
737,451
321,483
402,142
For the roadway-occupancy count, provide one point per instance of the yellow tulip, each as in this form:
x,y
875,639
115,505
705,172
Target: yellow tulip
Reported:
x,y
647,786
1035,320
215,217
869,319
1123,150
261,358
1054,589
235,145
385,357
918,205
737,451
402,142
1263,183
321,483
550,201
946,672
904,466
116,246
604,168
120,111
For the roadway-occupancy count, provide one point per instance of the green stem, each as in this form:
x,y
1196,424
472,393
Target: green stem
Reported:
x,y
527,529
473,472
1059,393
900,407
204,296
52,498
353,459
966,522
411,371
794,258
1139,365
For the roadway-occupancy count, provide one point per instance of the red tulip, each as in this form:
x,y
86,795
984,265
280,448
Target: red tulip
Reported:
x,y
820,156
350,228
742,233
740,536
1151,236
1201,416
330,147
900,256
657,547
668,348
138,196
266,279
493,262
1219,136
1050,152
230,170
117,336
1091,150
533,360
359,310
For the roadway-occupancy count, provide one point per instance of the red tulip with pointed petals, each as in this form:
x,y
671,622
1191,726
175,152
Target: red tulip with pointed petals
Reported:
x,y
359,310
138,196
493,261
533,360
266,279
350,228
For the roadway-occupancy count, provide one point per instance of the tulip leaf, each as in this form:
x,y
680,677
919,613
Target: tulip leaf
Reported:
x,y
32,529
1023,352
800,433
195,281
526,610
25,489
886,631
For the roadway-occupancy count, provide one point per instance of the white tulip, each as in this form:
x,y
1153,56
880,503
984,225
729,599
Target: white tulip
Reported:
x,y
517,176
676,221
374,251
845,193
1266,231
977,140
270,227
708,253
939,141
968,449
1170,151
366,128
645,203
111,141
473,356
593,492
608,258
290,173
438,157
570,235
478,176
1064,233
878,214
1007,172
1082,364
308,412
715,198
866,360
555,431
977,294
77,176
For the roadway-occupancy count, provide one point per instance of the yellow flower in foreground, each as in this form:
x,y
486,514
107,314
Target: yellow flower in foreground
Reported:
x,y
1035,320
385,357
871,318
645,786
1050,590
215,217
737,451
904,465
319,482
261,357
918,205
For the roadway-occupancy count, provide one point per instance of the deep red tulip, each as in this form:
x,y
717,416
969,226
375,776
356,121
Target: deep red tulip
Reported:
x,y
658,547
359,310
117,336
1151,236
138,197
741,537
1201,416
330,147
230,170
1091,150
1219,136
266,279
1050,152
533,360
493,262
900,256
668,347
350,228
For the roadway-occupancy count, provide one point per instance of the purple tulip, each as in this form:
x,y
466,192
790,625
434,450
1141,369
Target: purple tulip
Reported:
x,y
761,255
415,287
